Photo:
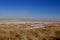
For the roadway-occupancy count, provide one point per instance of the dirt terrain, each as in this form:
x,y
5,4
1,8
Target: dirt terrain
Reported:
x,y
29,31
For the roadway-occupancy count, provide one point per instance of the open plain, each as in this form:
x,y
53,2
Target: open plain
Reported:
x,y
29,30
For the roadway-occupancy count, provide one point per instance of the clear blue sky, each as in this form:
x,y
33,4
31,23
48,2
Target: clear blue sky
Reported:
x,y
30,9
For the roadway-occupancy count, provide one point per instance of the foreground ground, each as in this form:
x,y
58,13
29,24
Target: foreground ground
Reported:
x,y
28,32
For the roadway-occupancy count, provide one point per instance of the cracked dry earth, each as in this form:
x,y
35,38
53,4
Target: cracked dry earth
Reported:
x,y
30,31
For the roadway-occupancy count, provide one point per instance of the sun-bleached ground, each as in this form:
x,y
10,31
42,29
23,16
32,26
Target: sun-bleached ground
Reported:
x,y
29,30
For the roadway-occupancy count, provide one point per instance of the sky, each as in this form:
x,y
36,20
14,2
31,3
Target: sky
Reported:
x,y
44,9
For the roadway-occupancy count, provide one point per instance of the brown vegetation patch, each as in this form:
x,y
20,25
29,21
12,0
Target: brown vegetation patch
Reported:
x,y
13,32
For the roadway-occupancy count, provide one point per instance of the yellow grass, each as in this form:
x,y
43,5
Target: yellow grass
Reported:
x,y
12,32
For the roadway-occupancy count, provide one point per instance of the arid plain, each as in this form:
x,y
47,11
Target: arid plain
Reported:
x,y
29,30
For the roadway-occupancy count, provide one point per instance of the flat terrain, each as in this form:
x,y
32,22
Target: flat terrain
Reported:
x,y
29,30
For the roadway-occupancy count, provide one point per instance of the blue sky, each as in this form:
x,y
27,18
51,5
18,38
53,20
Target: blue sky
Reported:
x,y
30,9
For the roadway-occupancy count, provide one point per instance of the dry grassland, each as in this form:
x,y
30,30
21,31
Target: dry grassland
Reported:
x,y
19,32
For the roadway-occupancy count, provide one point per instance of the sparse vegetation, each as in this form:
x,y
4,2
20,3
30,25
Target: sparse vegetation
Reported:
x,y
12,32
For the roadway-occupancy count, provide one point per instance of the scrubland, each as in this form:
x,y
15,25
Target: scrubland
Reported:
x,y
13,32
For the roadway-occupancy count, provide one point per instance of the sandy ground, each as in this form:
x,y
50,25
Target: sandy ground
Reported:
x,y
33,24
22,22
29,30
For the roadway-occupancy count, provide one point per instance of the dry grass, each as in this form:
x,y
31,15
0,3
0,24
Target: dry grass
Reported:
x,y
12,32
